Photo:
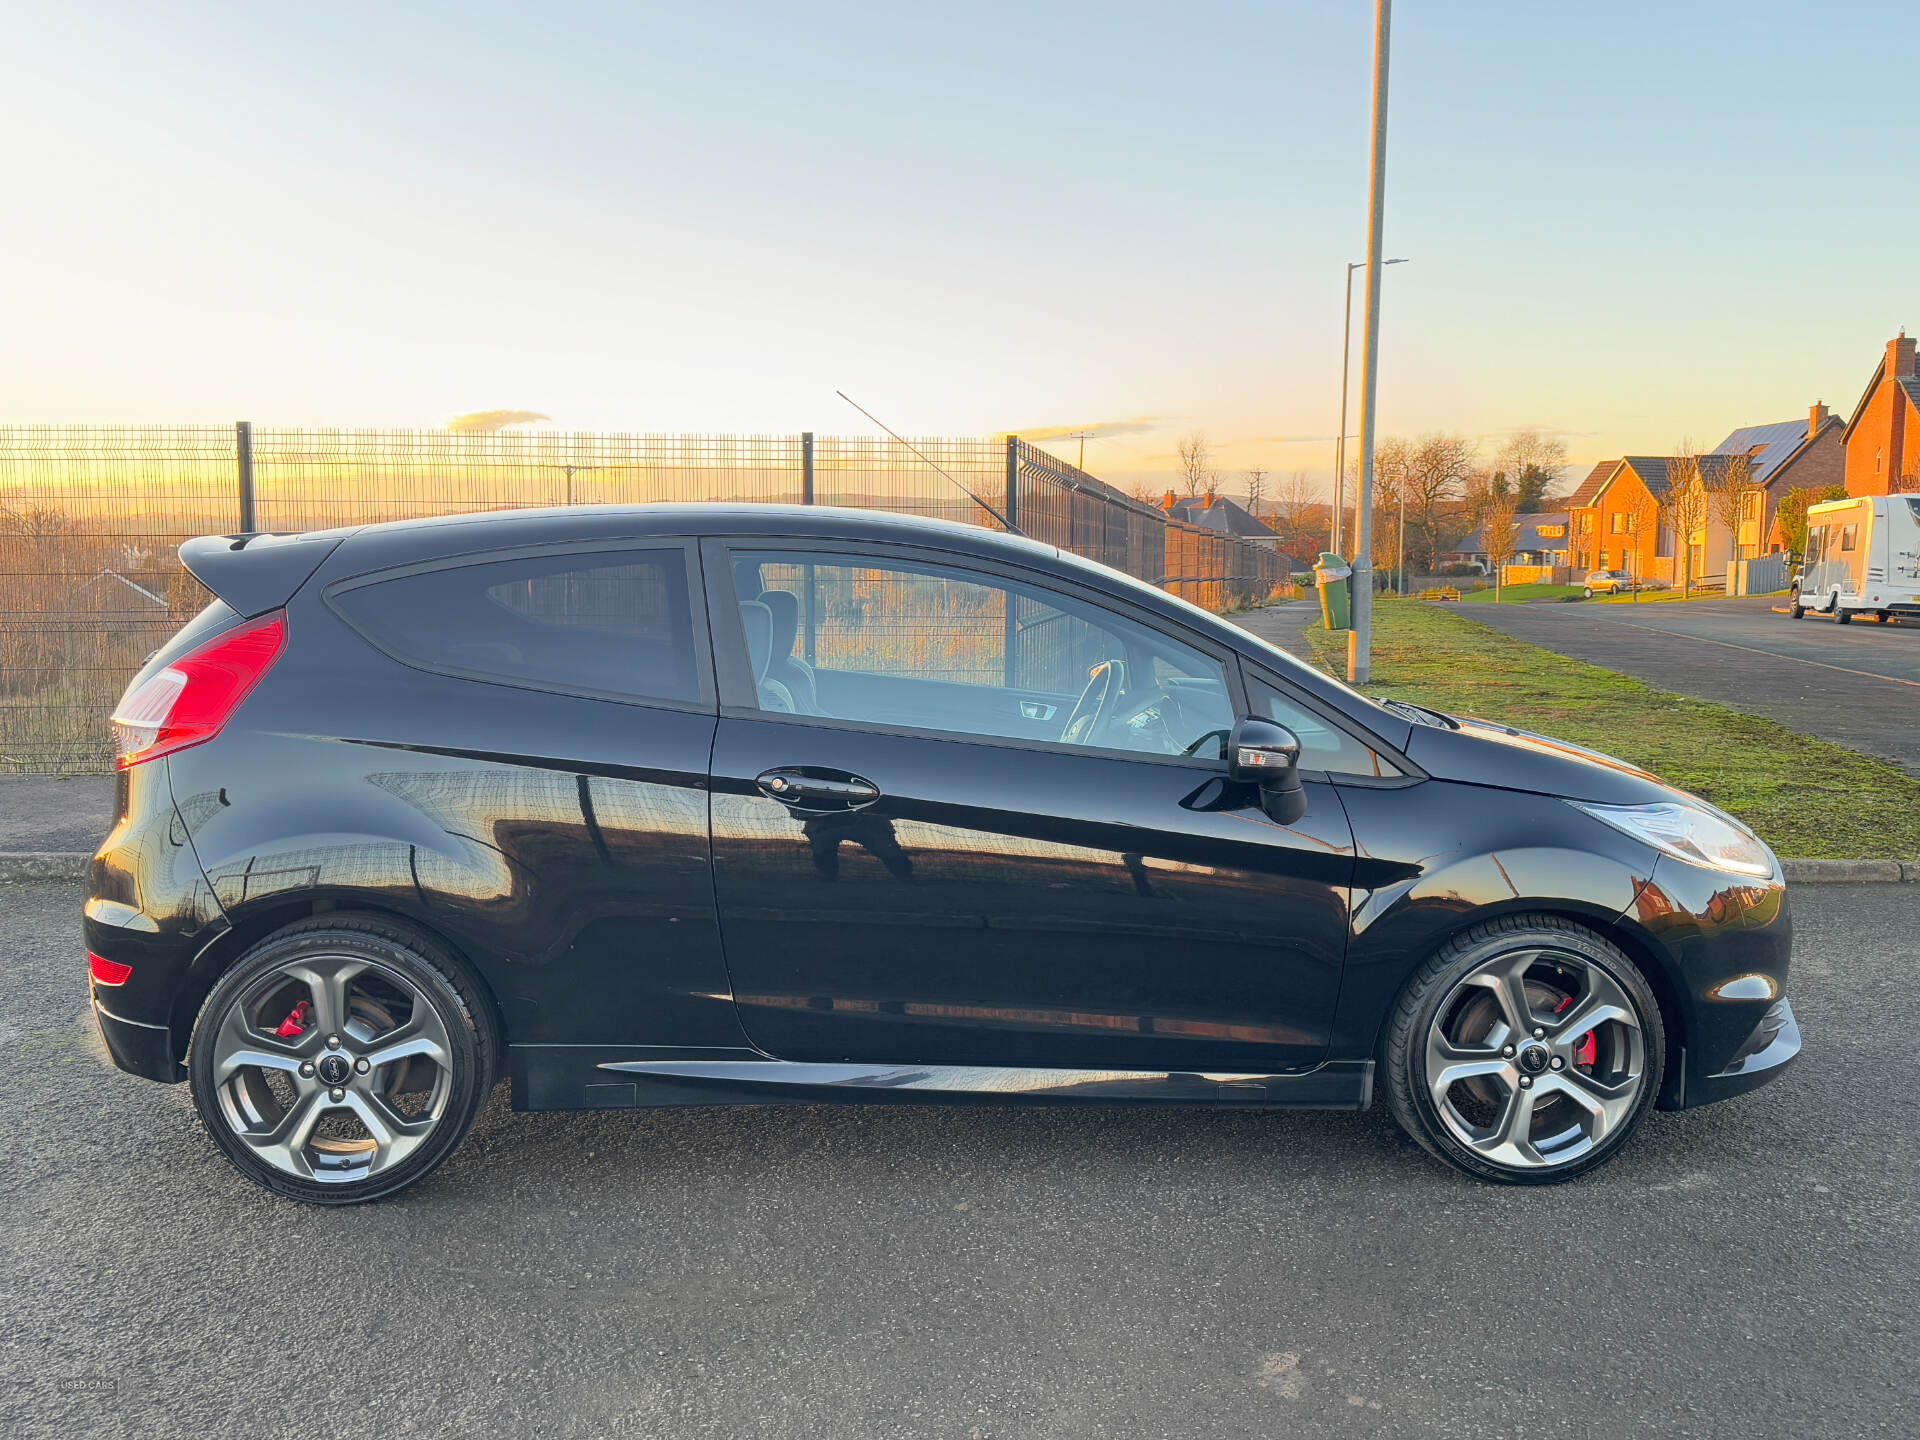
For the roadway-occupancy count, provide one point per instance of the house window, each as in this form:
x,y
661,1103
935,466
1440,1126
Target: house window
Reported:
x,y
1663,544
1619,522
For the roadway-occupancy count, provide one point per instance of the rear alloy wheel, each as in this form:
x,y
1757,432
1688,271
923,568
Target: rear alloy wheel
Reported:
x,y
1527,1051
1587,593
341,1060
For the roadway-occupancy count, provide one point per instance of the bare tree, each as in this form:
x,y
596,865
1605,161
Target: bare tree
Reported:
x,y
1196,462
1733,491
1256,490
1532,463
1500,529
1685,506
1295,501
1644,514
1439,468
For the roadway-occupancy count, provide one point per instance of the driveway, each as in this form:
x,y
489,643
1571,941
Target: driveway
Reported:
x,y
1857,685
1746,1271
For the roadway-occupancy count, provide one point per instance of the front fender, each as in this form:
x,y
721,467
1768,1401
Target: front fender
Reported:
x,y
1520,853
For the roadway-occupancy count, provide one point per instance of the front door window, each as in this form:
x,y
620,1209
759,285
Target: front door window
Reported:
x,y
922,646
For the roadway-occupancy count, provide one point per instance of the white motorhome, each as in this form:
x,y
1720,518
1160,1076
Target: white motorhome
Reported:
x,y
1863,556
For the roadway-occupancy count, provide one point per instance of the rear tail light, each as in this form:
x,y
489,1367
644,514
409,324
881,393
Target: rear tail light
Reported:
x,y
190,700
107,972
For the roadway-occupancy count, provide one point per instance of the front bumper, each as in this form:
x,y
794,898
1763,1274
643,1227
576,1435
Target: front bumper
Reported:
x,y
1724,945
1764,1056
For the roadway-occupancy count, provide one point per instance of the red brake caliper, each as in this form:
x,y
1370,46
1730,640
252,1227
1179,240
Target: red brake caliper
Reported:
x,y
1583,1053
296,1022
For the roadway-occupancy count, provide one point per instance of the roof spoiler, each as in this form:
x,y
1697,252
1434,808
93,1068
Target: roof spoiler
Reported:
x,y
256,573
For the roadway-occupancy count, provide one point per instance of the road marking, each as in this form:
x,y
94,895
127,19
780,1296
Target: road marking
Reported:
x,y
1770,654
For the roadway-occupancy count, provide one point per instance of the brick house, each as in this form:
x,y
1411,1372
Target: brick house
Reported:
x,y
1883,437
1793,455
1614,514
1583,547
1626,530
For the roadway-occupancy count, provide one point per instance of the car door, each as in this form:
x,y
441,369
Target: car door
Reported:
x,y
547,721
938,839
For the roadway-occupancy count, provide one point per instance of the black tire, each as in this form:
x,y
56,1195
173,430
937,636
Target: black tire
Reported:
x,y
1587,593
1840,616
458,1004
1437,987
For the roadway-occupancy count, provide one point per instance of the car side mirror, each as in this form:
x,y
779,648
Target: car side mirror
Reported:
x,y
1259,752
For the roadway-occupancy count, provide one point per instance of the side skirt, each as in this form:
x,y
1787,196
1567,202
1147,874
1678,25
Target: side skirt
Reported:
x,y
578,1077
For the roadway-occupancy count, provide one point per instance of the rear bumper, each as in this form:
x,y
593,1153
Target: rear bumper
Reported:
x,y
148,907
139,1049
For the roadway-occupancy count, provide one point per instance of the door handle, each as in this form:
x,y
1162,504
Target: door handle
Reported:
x,y
1038,710
816,789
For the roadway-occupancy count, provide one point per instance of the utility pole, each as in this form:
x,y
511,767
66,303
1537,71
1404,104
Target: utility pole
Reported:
x,y
1360,639
1340,439
1082,436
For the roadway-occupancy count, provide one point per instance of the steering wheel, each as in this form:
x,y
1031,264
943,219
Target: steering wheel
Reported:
x,y
1096,704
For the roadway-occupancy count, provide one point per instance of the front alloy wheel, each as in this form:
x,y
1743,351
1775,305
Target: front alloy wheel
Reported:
x,y
340,1060
1526,1052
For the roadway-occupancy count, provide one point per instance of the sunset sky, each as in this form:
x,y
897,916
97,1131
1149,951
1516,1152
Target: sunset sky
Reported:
x,y
1627,222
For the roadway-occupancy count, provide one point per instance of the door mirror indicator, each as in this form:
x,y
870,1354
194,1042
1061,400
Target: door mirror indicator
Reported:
x,y
1261,753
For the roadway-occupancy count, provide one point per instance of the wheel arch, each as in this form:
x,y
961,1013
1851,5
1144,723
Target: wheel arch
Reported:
x,y
1610,926
251,924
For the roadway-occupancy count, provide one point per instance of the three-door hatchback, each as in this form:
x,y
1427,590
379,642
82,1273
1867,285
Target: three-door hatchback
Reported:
x,y
734,805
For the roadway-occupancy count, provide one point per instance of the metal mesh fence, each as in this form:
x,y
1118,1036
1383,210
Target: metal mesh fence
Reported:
x,y
91,518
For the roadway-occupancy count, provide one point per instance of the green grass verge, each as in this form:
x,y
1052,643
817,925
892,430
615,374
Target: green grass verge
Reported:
x,y
1521,594
1806,797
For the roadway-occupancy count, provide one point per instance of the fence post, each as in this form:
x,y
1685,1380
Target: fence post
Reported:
x,y
1010,631
1011,503
243,454
806,470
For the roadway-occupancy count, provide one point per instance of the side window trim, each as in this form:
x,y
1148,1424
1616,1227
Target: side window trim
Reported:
x,y
739,697
706,700
1409,772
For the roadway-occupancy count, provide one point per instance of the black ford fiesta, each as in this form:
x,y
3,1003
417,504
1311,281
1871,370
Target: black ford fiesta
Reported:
x,y
737,805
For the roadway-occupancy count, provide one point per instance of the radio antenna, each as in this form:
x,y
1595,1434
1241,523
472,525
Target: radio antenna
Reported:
x,y
1011,527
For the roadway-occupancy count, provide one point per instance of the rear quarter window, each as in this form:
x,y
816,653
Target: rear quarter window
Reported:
x,y
609,624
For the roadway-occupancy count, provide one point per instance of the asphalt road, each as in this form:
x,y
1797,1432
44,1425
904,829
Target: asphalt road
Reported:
x,y
1747,1270
1857,685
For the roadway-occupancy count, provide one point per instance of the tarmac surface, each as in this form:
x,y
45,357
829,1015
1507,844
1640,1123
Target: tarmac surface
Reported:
x,y
1744,1270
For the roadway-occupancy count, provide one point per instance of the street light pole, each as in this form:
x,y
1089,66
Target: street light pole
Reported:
x,y
1360,639
1340,439
1340,435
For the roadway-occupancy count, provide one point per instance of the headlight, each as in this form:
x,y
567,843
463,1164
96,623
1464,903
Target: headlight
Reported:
x,y
1691,833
